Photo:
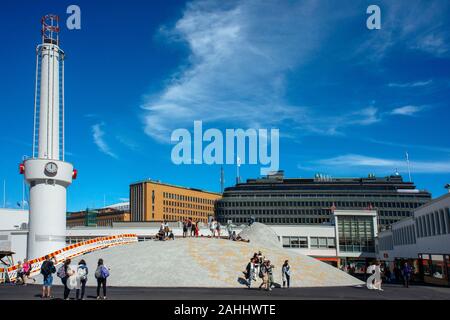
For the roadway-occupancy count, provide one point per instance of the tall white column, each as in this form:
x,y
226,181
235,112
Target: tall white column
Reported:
x,y
47,175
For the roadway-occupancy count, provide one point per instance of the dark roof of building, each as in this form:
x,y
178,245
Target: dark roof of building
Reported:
x,y
174,186
324,183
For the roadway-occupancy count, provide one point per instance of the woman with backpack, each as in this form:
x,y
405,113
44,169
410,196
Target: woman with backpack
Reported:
x,y
47,269
286,274
82,273
65,272
101,274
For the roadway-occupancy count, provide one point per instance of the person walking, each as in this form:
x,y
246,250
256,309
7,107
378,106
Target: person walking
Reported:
x,y
101,274
270,274
256,266
218,229
185,230
387,274
286,274
47,270
406,274
20,274
82,273
230,231
197,230
26,271
264,274
189,227
249,272
212,228
64,272
193,227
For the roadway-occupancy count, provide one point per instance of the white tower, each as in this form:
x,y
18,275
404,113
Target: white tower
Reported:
x,y
46,172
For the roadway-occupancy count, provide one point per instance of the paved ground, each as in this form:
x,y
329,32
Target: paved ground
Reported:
x,y
391,292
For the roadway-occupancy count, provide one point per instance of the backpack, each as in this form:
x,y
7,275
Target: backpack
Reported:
x,y
101,272
105,272
45,268
82,273
98,272
61,272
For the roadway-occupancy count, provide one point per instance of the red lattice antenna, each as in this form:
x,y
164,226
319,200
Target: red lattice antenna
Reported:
x,y
50,29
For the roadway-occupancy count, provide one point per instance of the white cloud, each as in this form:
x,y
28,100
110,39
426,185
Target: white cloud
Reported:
x,y
352,161
407,110
98,136
410,84
240,56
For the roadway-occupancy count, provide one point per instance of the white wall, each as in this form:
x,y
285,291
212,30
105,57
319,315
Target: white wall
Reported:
x,y
437,244
15,241
11,219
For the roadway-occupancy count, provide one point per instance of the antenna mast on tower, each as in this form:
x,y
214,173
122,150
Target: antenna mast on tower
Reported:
x,y
409,167
221,179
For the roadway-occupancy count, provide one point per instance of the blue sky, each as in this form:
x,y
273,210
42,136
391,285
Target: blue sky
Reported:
x,y
348,101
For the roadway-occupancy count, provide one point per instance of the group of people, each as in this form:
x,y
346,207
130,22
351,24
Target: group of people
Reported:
x,y
164,233
377,272
261,267
72,277
190,228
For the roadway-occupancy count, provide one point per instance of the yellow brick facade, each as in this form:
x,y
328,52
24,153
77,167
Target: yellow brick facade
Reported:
x,y
155,201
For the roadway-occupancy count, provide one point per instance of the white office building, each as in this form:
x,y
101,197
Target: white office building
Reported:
x,y
423,240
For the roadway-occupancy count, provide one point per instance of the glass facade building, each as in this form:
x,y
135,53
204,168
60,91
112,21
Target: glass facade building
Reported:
x,y
278,200
356,234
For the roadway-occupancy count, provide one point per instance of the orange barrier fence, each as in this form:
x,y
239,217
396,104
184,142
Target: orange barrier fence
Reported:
x,y
71,251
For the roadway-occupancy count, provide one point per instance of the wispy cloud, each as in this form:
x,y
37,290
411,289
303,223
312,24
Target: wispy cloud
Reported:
x,y
98,136
410,25
240,56
410,146
410,84
355,161
407,110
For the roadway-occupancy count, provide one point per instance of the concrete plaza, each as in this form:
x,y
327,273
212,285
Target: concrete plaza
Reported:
x,y
391,292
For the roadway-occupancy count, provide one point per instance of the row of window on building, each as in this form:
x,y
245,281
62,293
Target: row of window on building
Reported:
x,y
324,204
170,217
181,197
277,220
427,225
314,242
433,223
323,212
187,205
343,194
185,211
405,235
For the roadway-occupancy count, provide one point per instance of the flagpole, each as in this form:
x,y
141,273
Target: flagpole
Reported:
x,y
409,167
4,193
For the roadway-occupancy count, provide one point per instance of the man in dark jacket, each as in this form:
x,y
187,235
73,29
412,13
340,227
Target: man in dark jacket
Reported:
x,y
406,273
47,269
